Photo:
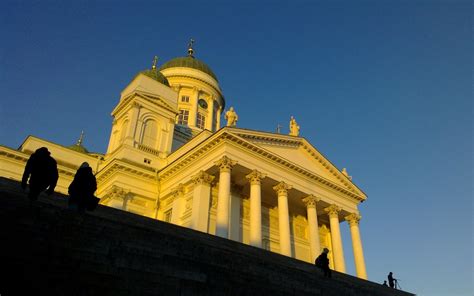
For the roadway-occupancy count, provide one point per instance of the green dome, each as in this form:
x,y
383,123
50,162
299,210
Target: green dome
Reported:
x,y
156,75
78,148
189,62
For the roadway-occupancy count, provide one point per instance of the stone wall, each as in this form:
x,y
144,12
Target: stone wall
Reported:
x,y
49,250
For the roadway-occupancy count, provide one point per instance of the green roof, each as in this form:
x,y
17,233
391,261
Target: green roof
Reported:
x,y
156,75
78,148
189,62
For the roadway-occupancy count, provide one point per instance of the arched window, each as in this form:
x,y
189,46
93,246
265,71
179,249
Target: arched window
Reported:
x,y
150,133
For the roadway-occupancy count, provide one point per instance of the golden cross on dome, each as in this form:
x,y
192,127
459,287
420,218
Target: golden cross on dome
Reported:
x,y
190,48
155,61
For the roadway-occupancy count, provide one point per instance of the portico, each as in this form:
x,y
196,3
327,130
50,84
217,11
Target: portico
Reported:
x,y
280,206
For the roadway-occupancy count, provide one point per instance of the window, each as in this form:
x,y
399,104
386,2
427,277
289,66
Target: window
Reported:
x,y
183,117
200,120
149,135
185,99
167,216
202,103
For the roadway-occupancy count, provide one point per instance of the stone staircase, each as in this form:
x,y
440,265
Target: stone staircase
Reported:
x,y
49,250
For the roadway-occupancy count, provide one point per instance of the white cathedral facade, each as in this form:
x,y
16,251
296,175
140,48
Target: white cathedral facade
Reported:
x,y
170,158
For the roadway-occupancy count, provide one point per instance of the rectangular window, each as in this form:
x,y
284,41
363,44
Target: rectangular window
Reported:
x,y
183,117
185,99
167,216
200,121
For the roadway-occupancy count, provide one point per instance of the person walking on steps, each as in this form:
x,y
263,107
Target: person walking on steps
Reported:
x,y
322,262
41,173
81,191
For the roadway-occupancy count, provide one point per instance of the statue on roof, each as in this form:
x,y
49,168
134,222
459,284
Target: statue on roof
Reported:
x,y
231,117
294,127
345,173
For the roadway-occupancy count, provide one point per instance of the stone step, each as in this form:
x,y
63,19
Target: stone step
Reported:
x,y
51,250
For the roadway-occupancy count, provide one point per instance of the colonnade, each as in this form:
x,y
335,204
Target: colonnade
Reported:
x,y
225,164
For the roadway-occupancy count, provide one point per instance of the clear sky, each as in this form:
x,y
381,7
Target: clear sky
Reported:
x,y
383,88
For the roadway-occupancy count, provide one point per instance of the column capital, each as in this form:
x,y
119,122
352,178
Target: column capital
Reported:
x,y
282,188
353,219
136,105
202,178
333,210
225,164
255,177
178,190
310,201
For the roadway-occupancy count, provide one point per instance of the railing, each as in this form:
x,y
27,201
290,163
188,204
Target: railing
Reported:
x,y
148,149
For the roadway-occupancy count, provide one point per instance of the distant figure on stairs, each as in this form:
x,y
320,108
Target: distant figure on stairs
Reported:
x,y
323,263
42,172
385,284
391,280
81,191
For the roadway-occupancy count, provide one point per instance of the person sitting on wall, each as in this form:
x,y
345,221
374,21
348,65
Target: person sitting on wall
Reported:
x,y
42,171
81,191
322,262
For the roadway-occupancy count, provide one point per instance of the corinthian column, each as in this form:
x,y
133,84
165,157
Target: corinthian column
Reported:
x,y
255,178
338,253
201,197
225,165
353,220
283,218
314,243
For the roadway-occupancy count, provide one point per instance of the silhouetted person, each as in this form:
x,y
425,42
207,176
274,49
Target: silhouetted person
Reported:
x,y
81,191
391,280
42,172
322,262
385,284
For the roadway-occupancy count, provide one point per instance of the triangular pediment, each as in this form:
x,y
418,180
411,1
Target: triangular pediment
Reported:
x,y
300,152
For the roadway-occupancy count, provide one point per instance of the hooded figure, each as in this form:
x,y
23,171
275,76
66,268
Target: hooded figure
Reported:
x,y
323,262
81,191
42,172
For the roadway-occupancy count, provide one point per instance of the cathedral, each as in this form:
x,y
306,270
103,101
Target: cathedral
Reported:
x,y
171,158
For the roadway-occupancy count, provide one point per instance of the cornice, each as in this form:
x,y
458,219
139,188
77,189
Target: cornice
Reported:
x,y
198,79
124,167
22,157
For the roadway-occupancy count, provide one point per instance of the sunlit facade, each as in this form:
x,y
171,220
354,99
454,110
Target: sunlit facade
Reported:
x,y
170,158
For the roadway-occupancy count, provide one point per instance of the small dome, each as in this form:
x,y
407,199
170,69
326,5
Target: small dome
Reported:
x,y
189,62
78,148
156,75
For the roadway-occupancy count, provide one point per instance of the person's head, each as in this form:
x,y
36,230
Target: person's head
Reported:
x,y
43,151
390,273
84,165
325,250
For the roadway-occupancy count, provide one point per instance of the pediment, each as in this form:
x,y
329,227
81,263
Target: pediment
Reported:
x,y
146,97
300,152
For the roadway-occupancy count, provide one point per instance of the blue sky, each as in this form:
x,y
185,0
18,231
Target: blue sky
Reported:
x,y
383,88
